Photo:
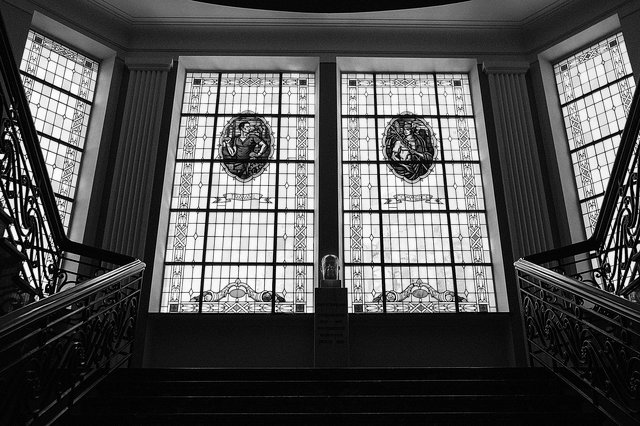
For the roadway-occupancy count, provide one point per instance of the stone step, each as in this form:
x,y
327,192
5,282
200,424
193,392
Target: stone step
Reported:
x,y
536,418
330,403
309,396
322,387
392,373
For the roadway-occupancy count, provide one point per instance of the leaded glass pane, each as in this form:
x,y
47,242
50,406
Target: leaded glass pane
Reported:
x,y
415,232
292,284
364,283
399,93
240,236
59,84
595,87
420,289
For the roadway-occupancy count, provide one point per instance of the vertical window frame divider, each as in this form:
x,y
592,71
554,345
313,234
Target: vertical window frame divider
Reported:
x,y
446,196
490,245
380,213
208,209
276,198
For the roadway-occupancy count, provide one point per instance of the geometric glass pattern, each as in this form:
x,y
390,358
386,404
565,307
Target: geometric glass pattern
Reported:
x,y
595,87
415,221
240,237
59,84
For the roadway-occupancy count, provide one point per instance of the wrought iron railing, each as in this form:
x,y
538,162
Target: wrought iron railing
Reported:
x,y
54,344
588,337
579,303
54,351
28,205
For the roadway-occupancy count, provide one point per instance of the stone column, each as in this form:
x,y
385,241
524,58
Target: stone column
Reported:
x,y
132,180
525,196
328,161
331,319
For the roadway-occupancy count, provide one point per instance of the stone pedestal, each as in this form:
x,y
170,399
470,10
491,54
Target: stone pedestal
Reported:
x,y
330,283
331,327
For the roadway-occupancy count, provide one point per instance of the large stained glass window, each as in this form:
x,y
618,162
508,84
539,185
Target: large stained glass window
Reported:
x,y
415,222
59,83
240,236
595,87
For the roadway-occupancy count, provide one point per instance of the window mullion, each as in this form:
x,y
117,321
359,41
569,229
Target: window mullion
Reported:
x,y
276,199
208,209
328,172
379,184
446,200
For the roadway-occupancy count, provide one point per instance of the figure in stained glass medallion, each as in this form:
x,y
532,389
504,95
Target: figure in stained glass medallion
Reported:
x,y
246,139
409,146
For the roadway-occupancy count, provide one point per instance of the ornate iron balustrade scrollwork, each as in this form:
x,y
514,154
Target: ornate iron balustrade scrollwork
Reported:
x,y
20,198
609,259
578,302
50,359
44,260
588,337
30,229
67,310
618,253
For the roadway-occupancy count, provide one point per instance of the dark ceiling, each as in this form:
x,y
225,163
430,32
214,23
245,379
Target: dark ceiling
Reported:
x,y
330,6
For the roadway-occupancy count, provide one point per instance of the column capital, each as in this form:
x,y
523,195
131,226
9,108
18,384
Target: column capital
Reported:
x,y
149,63
505,67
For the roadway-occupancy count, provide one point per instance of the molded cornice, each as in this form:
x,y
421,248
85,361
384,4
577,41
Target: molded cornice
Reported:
x,y
148,63
505,67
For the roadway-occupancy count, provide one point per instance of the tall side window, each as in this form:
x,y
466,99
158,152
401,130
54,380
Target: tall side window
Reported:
x,y
595,87
59,84
240,237
415,222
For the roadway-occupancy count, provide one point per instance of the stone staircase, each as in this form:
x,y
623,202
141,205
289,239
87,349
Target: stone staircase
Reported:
x,y
352,396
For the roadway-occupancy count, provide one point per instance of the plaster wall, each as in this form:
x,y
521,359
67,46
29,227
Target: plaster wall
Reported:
x,y
287,341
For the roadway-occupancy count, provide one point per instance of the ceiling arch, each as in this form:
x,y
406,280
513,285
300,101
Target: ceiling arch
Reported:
x,y
331,6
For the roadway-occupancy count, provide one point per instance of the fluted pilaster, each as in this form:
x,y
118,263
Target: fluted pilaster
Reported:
x,y
525,198
132,180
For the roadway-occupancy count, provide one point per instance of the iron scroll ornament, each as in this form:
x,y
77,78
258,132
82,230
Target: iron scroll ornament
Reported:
x,y
409,146
246,145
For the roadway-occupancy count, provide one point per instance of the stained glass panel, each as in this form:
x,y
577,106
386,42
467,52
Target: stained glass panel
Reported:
x,y
240,236
59,84
595,87
415,231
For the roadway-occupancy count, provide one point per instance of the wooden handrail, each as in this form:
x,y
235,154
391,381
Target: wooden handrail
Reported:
x,y
34,311
97,253
592,294
562,252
